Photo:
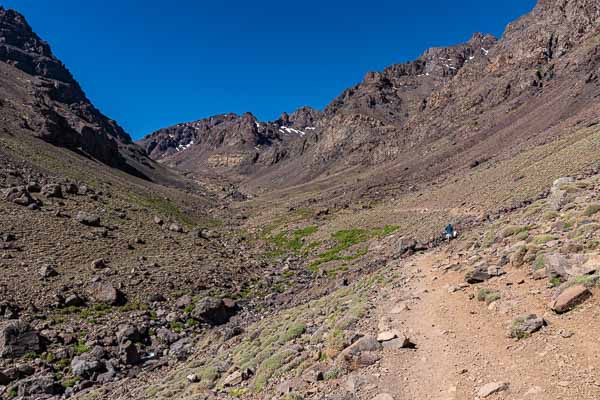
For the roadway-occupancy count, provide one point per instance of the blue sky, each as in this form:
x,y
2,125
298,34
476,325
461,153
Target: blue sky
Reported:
x,y
150,64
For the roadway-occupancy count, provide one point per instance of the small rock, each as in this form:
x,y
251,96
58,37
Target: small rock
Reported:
x,y
492,388
233,379
175,228
47,271
387,336
87,219
99,264
383,396
193,378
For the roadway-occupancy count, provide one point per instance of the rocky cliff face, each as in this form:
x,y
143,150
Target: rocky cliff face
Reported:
x,y
58,112
231,141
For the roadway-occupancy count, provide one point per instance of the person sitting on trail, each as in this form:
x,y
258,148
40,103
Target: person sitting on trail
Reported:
x,y
450,232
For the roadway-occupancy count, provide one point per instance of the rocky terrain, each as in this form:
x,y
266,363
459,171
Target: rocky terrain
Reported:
x,y
302,258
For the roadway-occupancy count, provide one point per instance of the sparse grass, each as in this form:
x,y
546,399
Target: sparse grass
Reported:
x,y
81,347
294,331
489,238
550,215
514,230
555,282
522,235
332,373
163,206
586,280
238,392
516,331
539,262
488,295
543,239
69,382
592,209
346,239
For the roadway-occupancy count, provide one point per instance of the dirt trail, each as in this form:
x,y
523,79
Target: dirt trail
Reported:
x,y
462,344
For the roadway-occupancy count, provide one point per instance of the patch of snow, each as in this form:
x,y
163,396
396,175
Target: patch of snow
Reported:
x,y
291,130
486,52
310,128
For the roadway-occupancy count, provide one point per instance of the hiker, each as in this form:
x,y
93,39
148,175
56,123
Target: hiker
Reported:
x,y
450,233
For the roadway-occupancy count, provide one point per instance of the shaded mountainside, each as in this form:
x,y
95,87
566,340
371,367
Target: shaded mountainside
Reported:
x,y
51,105
483,100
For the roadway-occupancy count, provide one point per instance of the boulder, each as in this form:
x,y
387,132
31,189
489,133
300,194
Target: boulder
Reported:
x,y
570,298
213,311
182,349
184,301
87,219
52,191
106,293
17,338
525,325
47,271
129,353
571,265
19,196
364,344
85,366
39,387
166,336
71,188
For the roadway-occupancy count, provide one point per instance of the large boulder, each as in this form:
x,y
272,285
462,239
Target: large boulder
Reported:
x,y
37,386
19,196
566,266
106,293
570,298
85,366
17,338
559,197
214,311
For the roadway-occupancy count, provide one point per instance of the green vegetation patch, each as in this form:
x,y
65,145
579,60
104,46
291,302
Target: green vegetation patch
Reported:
x,y
515,230
488,296
345,239
592,209
287,242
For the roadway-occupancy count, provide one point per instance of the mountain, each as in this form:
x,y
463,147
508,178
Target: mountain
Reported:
x,y
230,141
52,104
449,109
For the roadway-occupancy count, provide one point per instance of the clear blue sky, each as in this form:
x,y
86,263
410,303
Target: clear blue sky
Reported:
x,y
150,64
